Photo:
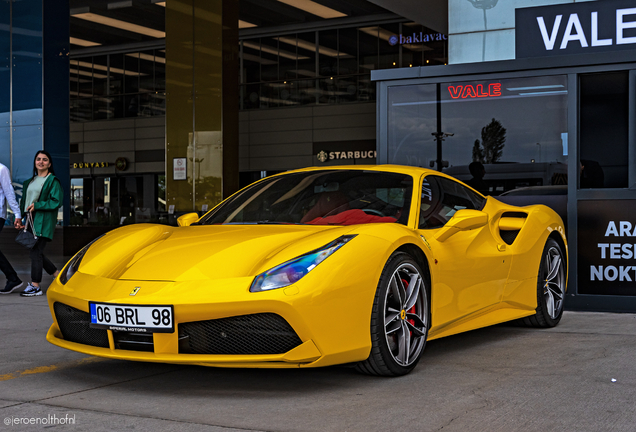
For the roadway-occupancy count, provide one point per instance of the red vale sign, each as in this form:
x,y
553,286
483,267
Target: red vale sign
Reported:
x,y
469,91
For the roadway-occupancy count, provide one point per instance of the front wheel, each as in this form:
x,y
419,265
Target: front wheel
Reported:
x,y
550,287
399,320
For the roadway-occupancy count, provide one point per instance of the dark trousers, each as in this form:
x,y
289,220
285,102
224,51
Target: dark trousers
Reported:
x,y
5,265
38,260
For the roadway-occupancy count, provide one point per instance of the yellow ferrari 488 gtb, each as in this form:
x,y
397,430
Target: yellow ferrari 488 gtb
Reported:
x,y
315,267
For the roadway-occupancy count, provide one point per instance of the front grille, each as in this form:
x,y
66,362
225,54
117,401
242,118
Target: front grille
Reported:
x,y
133,341
265,333
75,326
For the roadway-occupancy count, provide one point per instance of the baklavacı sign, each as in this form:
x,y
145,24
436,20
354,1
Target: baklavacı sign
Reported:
x,y
416,38
575,28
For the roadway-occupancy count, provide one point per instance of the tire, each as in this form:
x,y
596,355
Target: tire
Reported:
x,y
399,320
550,288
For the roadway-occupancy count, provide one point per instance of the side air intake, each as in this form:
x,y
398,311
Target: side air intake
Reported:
x,y
510,224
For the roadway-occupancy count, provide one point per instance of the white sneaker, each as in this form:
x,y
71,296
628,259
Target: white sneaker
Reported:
x,y
31,291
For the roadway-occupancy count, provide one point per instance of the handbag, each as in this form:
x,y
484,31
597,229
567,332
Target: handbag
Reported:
x,y
25,237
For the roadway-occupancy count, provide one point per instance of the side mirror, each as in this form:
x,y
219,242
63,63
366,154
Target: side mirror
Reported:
x,y
187,219
463,220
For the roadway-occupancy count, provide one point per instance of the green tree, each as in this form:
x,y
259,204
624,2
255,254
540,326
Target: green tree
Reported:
x,y
493,139
478,153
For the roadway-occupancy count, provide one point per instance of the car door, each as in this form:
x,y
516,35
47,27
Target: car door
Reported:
x,y
471,268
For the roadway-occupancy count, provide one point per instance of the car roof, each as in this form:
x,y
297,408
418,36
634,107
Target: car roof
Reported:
x,y
401,169
415,172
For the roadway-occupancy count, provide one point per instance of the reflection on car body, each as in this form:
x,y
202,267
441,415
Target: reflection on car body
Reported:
x,y
315,267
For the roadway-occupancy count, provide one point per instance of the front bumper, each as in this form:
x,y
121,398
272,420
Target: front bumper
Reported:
x,y
330,318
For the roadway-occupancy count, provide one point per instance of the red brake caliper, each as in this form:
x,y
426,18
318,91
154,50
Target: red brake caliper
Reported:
x,y
412,310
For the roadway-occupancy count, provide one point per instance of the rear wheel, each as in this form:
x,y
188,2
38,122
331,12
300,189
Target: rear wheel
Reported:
x,y
550,287
400,319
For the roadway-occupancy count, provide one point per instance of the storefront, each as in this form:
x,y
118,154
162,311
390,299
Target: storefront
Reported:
x,y
556,127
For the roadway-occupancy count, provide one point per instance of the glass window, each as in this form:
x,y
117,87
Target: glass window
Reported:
x,y
603,119
81,110
306,55
116,82
100,75
5,82
368,49
442,198
147,63
83,69
348,46
330,197
328,53
252,61
424,48
515,128
27,60
270,97
269,59
77,201
287,57
160,71
389,54
131,73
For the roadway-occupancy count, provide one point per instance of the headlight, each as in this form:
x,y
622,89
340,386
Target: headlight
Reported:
x,y
72,266
294,270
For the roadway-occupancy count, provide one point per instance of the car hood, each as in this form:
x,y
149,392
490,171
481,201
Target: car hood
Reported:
x,y
147,252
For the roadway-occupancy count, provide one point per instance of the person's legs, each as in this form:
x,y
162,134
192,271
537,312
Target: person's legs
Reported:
x,y
37,259
13,281
49,267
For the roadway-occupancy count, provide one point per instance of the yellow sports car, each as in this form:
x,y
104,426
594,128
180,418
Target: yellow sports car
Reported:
x,y
315,267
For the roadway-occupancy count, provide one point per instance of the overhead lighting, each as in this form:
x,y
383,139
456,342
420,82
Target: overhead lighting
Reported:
x,y
76,79
281,53
111,22
314,8
86,73
244,24
255,58
304,72
312,47
241,24
148,57
105,68
120,4
82,42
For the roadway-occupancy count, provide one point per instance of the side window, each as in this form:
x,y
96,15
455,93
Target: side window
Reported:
x,y
442,198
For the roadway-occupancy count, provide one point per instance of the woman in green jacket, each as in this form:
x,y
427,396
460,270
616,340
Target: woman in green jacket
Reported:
x,y
41,196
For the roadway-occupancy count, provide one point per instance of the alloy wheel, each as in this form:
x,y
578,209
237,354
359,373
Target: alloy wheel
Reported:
x,y
405,314
554,282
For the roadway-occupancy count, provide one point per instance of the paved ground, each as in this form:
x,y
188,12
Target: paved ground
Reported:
x,y
580,376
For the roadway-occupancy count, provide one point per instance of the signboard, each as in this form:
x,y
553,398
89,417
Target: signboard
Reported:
x,y
575,28
179,169
90,165
345,152
607,247
414,38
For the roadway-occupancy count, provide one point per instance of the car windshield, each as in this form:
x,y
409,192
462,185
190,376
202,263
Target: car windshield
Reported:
x,y
329,197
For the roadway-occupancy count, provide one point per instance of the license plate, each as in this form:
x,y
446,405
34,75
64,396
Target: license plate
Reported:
x,y
132,318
